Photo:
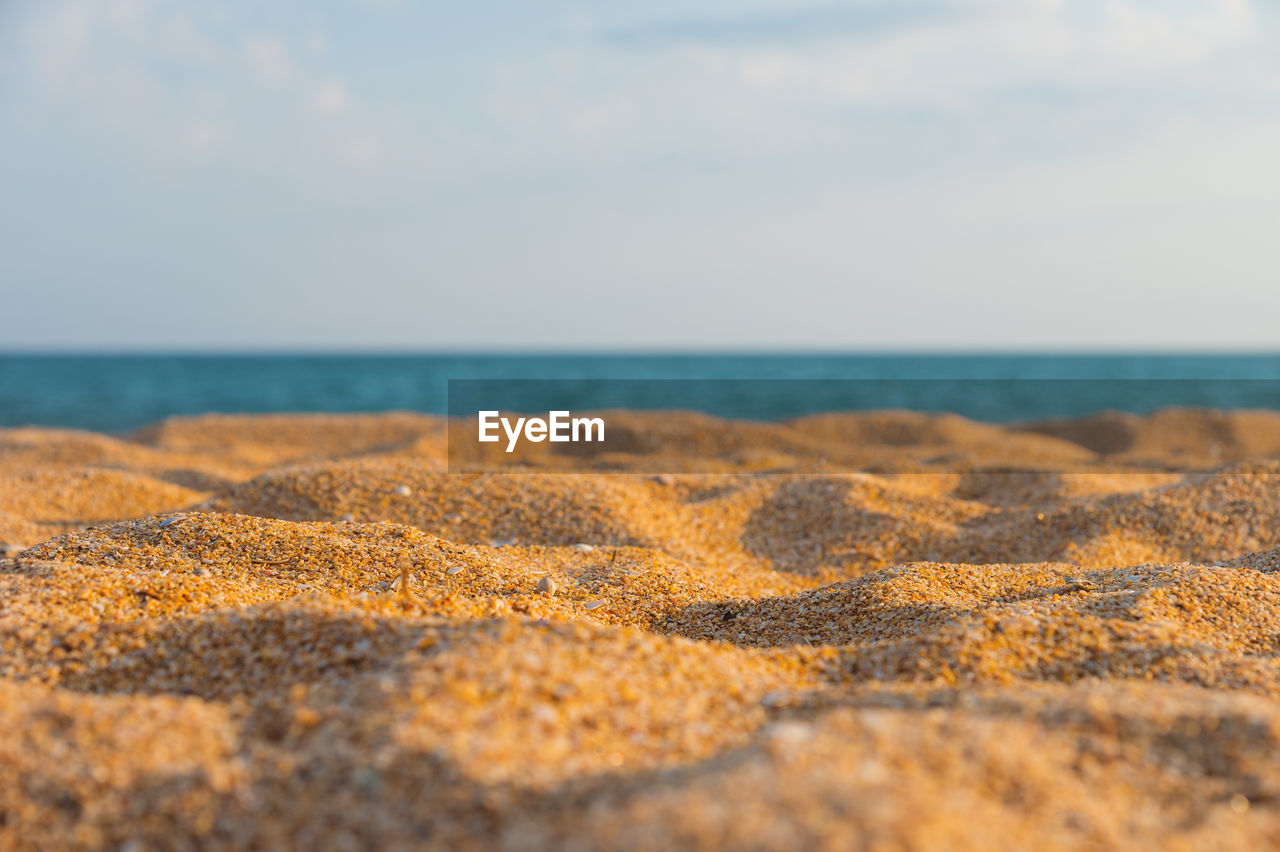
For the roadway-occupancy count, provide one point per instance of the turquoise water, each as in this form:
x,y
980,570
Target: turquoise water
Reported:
x,y
122,392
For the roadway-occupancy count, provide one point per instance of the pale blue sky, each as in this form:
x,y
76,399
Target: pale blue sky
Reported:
x,y
355,174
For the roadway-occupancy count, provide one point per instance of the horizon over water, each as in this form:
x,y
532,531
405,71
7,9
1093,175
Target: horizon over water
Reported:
x,y
121,392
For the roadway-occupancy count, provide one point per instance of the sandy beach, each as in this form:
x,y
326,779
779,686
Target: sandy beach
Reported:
x,y
879,631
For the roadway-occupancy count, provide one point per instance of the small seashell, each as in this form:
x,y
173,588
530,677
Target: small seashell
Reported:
x,y
349,518
547,586
169,522
455,570
404,490
595,604
585,548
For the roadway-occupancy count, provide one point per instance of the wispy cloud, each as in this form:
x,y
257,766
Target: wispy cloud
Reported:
x,y
330,97
192,81
859,20
951,56
818,144
269,58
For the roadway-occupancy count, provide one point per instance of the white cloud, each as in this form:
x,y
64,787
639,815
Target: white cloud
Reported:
x,y
950,60
269,58
1003,135
175,77
768,69
594,121
330,98
1151,39
366,151
59,44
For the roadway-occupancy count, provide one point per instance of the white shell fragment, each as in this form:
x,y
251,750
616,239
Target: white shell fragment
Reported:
x,y
547,586
595,604
174,521
455,570
585,548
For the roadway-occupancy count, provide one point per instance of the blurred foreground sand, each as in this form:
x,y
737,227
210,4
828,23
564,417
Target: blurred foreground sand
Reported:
x,y
302,631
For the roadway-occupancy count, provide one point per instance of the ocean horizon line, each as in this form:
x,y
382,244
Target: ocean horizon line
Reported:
x,y
535,352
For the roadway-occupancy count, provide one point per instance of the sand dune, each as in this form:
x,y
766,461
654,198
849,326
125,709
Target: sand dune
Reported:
x,y
885,630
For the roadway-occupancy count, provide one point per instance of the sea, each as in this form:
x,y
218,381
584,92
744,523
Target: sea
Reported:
x,y
117,393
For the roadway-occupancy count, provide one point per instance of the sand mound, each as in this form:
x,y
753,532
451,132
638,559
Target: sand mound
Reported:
x,y
159,568
479,687
1096,766
817,528
1186,437
524,509
15,529
32,449
91,772
1200,624
41,451
345,646
695,519
54,501
906,440
852,522
263,439
1266,561
1202,518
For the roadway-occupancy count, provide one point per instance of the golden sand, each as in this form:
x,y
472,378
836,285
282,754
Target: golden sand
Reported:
x,y
302,631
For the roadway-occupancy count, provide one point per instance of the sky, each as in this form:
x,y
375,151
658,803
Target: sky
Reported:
x,y
695,175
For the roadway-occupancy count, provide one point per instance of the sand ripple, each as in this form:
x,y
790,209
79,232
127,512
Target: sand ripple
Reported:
x,y
842,631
